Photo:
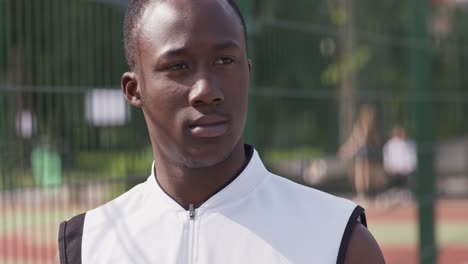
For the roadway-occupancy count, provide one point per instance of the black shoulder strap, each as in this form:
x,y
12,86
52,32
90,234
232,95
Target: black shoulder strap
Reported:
x,y
358,216
70,235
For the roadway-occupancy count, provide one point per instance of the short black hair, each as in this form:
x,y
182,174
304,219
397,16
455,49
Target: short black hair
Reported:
x,y
132,18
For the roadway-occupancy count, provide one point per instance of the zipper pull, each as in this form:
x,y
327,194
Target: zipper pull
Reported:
x,y
191,212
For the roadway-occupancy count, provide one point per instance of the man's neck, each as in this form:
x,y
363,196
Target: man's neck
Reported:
x,y
196,185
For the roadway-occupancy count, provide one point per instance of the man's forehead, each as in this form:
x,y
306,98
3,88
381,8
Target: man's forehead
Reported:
x,y
178,20
168,12
176,6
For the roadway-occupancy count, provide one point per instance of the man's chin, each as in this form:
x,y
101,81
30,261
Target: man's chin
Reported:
x,y
205,159
198,163
209,155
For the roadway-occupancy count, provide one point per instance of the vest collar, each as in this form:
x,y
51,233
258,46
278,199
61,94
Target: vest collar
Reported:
x,y
249,178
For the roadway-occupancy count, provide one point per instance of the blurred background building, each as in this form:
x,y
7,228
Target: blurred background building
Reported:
x,y
69,142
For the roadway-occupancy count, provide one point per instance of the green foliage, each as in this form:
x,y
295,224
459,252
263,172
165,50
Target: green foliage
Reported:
x,y
339,16
64,47
114,164
351,64
62,42
296,77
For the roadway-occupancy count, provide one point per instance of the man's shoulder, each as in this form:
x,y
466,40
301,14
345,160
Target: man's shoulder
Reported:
x,y
308,196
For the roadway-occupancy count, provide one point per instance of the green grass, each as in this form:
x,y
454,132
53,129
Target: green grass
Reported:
x,y
404,234
26,219
87,166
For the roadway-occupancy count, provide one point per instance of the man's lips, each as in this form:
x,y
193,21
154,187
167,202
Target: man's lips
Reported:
x,y
209,126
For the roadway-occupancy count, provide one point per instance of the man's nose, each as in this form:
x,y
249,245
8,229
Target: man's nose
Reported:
x,y
205,91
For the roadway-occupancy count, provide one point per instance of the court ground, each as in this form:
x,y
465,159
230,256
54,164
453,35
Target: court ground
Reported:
x,y
395,228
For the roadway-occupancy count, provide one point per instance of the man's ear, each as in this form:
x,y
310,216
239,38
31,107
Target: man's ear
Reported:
x,y
131,89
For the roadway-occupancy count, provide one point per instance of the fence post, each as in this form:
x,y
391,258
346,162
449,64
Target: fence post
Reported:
x,y
7,126
421,91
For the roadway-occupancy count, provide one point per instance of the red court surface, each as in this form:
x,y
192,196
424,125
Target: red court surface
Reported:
x,y
405,255
19,248
451,219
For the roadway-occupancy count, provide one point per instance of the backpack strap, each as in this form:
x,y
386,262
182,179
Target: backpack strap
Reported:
x,y
69,241
357,217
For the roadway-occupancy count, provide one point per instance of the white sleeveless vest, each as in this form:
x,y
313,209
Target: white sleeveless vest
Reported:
x,y
257,218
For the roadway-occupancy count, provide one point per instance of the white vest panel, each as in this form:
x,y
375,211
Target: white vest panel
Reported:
x,y
258,218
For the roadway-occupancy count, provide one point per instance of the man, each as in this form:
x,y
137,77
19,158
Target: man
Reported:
x,y
208,199
400,158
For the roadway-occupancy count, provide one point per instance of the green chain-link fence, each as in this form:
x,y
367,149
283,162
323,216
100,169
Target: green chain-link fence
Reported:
x,y
68,141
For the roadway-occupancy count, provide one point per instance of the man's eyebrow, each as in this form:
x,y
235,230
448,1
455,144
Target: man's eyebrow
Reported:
x,y
173,53
227,45
176,52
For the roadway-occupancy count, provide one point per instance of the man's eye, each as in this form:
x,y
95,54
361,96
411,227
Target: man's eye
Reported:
x,y
178,66
224,60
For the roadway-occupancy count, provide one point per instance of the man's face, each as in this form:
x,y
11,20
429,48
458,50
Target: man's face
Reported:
x,y
193,76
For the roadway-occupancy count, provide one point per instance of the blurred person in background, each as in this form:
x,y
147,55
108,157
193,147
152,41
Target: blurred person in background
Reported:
x,y
364,150
400,159
209,198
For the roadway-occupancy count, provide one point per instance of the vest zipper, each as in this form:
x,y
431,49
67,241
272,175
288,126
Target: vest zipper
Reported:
x,y
191,245
191,212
